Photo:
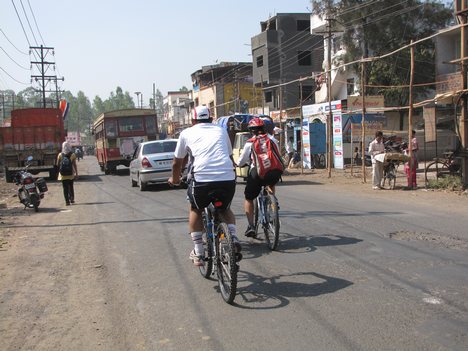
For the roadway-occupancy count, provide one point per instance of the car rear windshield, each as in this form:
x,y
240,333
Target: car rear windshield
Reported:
x,y
156,148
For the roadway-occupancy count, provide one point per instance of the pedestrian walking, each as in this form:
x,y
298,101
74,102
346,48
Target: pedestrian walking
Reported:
x,y
68,172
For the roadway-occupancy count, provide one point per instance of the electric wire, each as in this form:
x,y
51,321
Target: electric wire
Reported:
x,y
8,74
37,27
29,23
25,68
19,18
21,52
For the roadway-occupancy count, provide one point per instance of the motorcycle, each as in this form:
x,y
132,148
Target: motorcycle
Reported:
x,y
30,191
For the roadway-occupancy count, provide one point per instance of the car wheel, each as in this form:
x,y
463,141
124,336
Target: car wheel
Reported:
x,y
141,184
134,183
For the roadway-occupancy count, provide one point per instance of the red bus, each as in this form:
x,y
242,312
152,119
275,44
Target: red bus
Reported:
x,y
118,133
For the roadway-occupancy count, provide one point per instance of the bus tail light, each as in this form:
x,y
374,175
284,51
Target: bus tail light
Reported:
x,y
145,163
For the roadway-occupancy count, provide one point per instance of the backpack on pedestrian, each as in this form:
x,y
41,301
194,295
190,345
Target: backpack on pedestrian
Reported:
x,y
66,166
266,156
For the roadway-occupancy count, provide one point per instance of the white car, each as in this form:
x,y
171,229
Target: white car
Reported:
x,y
152,162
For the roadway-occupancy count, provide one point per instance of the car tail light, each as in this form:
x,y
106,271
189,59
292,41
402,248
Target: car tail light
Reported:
x,y
145,163
28,180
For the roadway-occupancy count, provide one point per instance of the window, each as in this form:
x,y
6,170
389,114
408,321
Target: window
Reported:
x,y
131,124
111,130
303,25
160,147
304,58
308,92
350,86
268,96
260,61
151,125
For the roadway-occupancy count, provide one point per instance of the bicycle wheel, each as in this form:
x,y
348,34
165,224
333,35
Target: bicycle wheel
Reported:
x,y
226,263
255,215
389,178
272,225
319,160
436,170
206,270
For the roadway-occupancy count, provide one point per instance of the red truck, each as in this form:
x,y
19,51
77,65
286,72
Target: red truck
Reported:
x,y
36,132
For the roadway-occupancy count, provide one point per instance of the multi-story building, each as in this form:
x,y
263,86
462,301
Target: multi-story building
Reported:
x,y
226,88
284,51
176,106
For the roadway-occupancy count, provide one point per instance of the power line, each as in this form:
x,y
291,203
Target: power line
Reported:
x,y
24,53
25,68
19,18
8,74
37,27
29,23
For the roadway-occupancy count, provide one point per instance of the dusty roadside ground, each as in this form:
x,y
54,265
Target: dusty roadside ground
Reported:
x,y
42,274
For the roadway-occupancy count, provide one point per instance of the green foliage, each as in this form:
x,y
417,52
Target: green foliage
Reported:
x,y
452,183
380,27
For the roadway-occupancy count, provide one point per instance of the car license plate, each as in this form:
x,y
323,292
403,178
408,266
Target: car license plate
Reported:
x,y
30,186
164,163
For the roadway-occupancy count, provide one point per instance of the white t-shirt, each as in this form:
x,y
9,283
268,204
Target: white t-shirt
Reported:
x,y
209,149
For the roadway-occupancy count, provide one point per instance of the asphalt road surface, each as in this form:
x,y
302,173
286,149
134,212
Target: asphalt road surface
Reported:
x,y
354,270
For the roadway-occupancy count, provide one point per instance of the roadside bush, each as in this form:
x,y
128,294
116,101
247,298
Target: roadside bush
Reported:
x,y
452,183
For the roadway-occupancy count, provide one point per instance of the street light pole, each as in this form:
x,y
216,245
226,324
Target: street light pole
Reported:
x,y
137,93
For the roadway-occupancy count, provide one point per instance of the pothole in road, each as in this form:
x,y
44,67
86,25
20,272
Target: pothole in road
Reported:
x,y
445,241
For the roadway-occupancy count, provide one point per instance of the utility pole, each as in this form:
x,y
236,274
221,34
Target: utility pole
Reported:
x,y
263,95
329,93
363,122
462,14
42,66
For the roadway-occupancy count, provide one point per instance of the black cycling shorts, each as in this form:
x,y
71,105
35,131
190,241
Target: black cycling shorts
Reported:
x,y
199,193
255,183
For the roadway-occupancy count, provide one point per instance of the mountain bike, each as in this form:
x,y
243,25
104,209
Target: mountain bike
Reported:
x,y
219,251
266,214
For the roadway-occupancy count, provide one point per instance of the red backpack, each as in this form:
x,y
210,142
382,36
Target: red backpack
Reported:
x,y
265,154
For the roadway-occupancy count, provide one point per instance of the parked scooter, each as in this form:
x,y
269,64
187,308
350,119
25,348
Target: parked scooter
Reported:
x,y
30,191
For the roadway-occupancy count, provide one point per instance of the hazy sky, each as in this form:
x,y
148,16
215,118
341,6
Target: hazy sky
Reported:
x,y
102,44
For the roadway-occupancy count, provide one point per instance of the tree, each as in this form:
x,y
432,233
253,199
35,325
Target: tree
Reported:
x,y
159,103
184,89
382,27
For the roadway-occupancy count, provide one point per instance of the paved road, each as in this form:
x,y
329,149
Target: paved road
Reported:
x,y
353,271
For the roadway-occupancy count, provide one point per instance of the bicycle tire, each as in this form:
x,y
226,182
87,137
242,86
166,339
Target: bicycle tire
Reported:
x,y
320,161
272,226
389,178
227,267
206,269
435,170
255,215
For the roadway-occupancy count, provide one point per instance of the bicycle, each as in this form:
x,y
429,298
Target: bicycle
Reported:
x,y
443,167
266,208
318,161
389,174
219,251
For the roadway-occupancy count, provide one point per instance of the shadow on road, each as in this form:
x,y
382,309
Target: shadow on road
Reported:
x,y
275,292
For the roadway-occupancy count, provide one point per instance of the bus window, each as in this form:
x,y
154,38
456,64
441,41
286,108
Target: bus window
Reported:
x,y
111,130
131,124
150,125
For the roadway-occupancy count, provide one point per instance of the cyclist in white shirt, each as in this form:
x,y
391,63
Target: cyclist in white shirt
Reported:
x,y
211,167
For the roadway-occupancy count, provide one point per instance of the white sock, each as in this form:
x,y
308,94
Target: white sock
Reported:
x,y
198,242
232,230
